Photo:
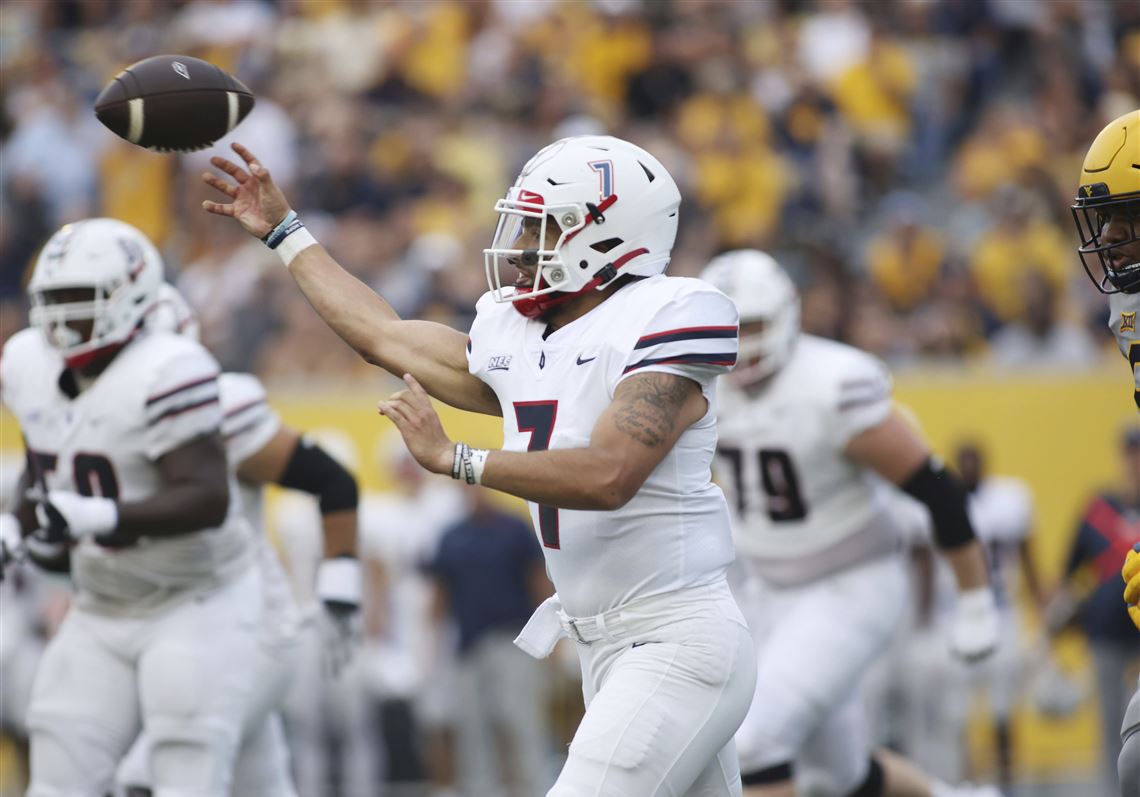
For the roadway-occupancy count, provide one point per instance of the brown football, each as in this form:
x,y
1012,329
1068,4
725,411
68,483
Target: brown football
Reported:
x,y
173,103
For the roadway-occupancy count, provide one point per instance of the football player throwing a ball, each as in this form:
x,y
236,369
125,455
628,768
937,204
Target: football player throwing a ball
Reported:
x,y
604,371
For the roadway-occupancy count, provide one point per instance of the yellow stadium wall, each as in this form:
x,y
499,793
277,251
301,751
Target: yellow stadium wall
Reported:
x,y
1057,432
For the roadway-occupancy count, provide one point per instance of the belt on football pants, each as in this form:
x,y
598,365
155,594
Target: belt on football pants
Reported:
x,y
550,623
587,630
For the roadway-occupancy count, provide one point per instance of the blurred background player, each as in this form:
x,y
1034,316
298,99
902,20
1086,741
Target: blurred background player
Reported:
x,y
123,434
489,578
932,692
1001,511
1090,596
808,440
261,450
407,673
636,537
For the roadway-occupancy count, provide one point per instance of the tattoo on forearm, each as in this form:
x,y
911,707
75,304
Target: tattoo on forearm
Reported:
x,y
649,407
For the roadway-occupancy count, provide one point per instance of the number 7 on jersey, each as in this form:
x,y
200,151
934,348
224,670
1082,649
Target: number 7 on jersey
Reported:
x,y
537,417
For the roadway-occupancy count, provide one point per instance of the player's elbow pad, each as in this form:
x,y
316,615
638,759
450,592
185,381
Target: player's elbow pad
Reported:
x,y
945,497
312,470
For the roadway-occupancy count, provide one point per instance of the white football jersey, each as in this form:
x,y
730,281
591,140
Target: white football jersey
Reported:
x,y
159,393
781,460
248,424
1122,313
675,532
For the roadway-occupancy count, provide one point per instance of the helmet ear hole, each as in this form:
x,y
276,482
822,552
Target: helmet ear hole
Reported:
x,y
606,245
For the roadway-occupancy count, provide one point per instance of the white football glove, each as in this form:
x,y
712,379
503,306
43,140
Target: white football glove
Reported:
x,y
974,635
11,541
339,588
64,515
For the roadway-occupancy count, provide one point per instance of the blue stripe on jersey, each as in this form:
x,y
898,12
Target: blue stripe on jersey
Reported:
x,y
725,359
180,388
686,333
178,410
243,407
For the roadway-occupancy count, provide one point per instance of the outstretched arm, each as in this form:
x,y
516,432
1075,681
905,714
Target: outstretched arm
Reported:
x,y
649,412
434,353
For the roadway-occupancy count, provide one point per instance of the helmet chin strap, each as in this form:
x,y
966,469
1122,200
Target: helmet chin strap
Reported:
x,y
534,307
537,306
79,362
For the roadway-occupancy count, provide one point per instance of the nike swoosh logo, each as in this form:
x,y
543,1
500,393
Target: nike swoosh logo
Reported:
x,y
580,361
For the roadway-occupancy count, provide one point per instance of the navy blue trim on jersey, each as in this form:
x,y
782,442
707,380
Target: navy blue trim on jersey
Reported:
x,y
243,407
183,408
721,358
180,388
687,333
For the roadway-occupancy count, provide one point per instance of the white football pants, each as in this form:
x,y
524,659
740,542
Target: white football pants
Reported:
x,y
184,673
667,682
262,767
814,645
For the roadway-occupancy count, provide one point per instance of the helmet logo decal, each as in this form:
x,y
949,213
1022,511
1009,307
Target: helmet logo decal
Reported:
x,y
1128,322
605,170
181,69
135,258
57,245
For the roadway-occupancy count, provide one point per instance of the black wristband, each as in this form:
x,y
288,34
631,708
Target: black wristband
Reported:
x,y
945,497
311,470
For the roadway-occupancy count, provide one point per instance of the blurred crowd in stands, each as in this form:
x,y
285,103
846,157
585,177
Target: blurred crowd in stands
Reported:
x,y
911,161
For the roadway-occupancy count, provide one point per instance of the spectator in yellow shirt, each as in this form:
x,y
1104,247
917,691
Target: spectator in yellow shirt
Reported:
x,y
1020,240
906,258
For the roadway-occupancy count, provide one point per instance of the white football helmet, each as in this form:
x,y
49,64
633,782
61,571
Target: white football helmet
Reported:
x,y
118,272
172,313
616,210
763,292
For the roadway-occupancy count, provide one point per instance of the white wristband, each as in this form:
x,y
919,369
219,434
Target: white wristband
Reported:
x,y
473,464
294,244
11,536
339,580
979,600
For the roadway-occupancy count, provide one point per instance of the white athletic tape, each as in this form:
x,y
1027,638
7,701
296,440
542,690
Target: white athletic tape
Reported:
x,y
135,128
232,99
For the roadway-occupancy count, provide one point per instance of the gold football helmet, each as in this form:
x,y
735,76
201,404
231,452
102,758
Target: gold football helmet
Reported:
x,y
1107,207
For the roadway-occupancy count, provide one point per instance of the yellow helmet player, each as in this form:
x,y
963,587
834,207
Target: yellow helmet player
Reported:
x,y
1107,207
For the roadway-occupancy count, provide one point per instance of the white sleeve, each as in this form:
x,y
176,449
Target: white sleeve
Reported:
x,y
248,422
694,335
182,402
484,307
862,397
